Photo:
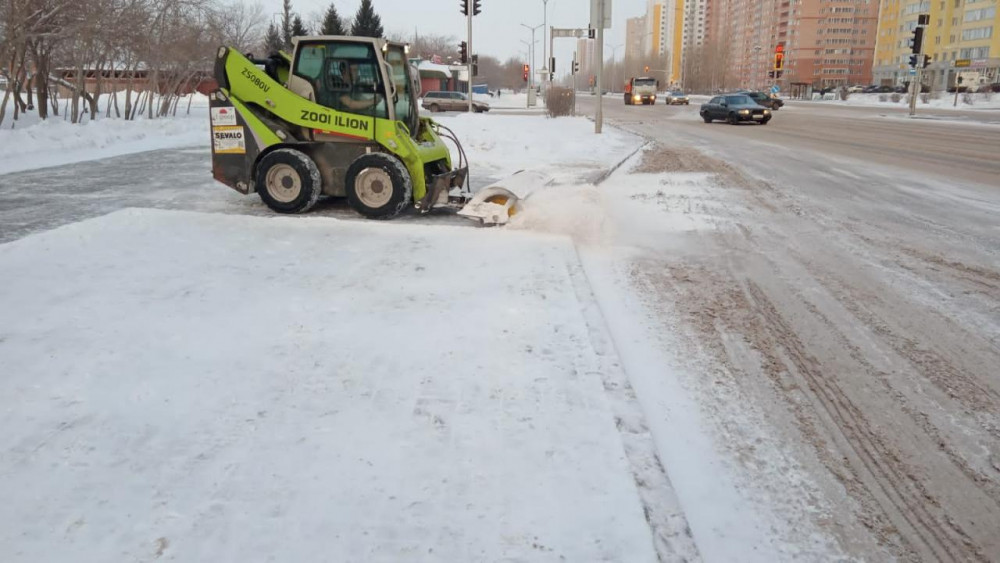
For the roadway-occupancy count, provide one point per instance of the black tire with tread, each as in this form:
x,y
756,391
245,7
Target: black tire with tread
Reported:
x,y
309,177
402,185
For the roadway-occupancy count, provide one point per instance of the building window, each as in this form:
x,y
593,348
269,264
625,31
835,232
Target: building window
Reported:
x,y
981,14
977,33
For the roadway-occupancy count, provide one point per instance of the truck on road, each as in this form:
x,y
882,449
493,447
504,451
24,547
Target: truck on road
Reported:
x,y
641,90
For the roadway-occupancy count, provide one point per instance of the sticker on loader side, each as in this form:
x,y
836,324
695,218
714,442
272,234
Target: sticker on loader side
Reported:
x,y
229,140
224,116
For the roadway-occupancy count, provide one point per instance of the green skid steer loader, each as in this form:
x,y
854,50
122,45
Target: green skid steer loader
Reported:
x,y
339,118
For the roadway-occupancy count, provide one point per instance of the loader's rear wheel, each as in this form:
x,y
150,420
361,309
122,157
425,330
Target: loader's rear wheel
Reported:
x,y
378,186
288,181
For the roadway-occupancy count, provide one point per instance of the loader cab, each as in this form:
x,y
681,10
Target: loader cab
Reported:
x,y
356,75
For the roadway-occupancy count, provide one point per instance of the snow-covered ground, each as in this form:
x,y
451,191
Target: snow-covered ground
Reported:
x,y
304,389
30,143
937,101
238,386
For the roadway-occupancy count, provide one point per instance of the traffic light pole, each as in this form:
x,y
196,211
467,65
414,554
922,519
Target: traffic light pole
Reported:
x,y
918,66
915,87
573,70
469,70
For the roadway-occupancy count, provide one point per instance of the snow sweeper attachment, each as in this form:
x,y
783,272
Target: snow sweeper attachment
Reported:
x,y
338,117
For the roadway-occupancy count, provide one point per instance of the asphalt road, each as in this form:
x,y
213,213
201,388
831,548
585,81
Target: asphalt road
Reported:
x,y
838,281
959,145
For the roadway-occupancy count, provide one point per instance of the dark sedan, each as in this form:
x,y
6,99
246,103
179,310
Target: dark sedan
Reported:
x,y
734,108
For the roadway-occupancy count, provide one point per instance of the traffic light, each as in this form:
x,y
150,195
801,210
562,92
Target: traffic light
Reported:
x,y
918,40
913,61
927,61
525,73
647,68
465,7
475,65
779,61
552,67
463,52
477,6
576,67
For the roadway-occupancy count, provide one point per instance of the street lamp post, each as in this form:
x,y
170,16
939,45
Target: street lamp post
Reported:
x,y
614,60
533,29
756,67
545,33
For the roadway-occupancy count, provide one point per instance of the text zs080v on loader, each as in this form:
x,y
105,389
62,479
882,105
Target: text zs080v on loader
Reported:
x,y
340,118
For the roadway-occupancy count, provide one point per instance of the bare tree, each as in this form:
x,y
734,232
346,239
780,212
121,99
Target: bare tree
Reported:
x,y
238,25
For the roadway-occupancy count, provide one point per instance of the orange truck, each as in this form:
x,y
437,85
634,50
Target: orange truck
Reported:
x,y
641,90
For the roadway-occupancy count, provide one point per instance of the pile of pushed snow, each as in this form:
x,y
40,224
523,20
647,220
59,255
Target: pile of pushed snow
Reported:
x,y
576,211
30,143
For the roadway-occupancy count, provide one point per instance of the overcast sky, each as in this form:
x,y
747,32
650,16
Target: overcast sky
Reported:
x,y
496,31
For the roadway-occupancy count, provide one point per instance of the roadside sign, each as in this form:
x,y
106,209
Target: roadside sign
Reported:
x,y
963,62
597,19
775,89
913,71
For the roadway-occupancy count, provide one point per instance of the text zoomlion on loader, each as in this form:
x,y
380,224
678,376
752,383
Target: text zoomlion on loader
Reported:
x,y
339,118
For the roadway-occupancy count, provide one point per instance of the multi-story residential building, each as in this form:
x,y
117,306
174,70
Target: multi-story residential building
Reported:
x,y
665,29
635,46
961,38
586,53
824,42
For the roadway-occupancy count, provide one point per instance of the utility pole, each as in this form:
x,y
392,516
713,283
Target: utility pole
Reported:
x,y
599,119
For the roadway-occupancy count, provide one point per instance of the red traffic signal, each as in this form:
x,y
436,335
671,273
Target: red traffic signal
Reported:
x,y
526,70
779,61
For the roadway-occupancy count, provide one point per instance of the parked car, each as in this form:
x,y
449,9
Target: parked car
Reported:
x,y
677,98
856,89
451,101
766,100
734,108
994,88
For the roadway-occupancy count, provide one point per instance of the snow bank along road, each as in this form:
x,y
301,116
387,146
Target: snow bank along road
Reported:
x,y
790,357
846,290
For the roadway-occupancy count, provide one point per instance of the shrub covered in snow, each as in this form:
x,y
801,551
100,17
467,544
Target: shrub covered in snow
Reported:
x,y
559,101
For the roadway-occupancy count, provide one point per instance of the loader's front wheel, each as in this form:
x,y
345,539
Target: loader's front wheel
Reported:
x,y
378,186
288,181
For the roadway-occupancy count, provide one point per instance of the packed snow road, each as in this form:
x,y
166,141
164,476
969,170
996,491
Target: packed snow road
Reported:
x,y
844,301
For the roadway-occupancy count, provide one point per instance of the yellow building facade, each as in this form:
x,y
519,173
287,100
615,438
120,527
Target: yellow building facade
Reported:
x,y
962,38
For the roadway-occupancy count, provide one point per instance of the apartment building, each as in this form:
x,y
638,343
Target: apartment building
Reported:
x,y
665,30
961,39
635,46
824,42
